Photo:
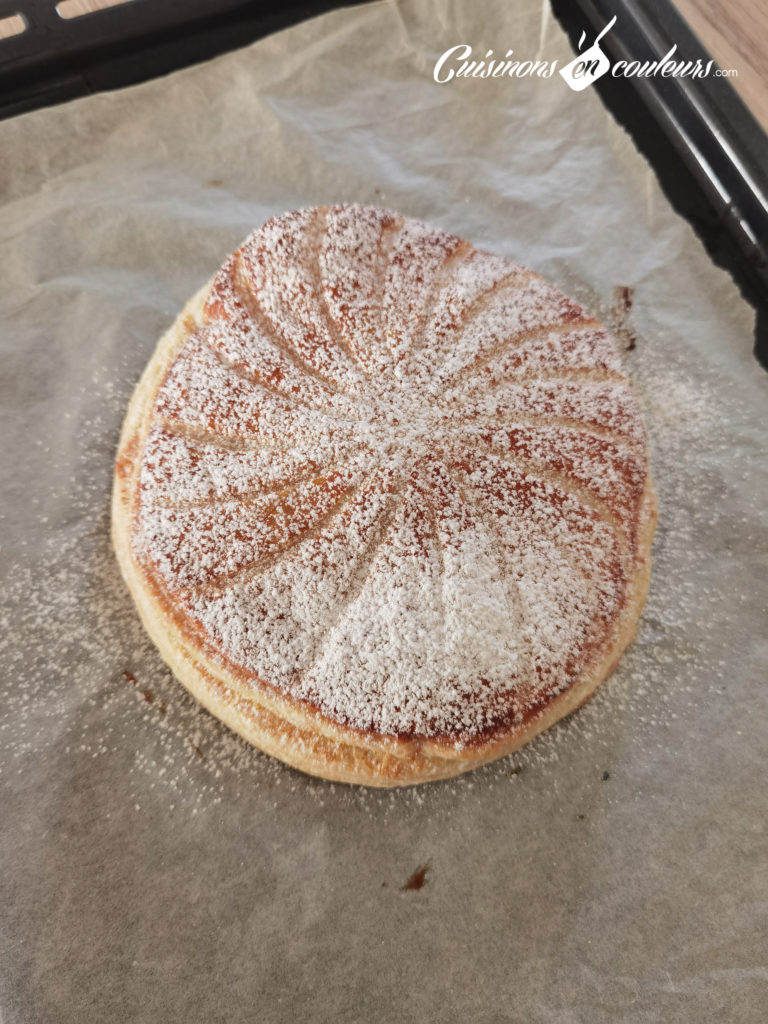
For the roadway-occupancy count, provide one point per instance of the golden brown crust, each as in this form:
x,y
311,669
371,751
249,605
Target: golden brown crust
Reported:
x,y
281,725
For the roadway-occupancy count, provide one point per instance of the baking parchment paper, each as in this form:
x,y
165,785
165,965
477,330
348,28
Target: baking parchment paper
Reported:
x,y
156,868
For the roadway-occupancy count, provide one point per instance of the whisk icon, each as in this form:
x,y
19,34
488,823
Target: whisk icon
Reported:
x,y
587,67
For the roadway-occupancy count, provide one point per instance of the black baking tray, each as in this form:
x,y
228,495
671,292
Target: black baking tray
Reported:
x,y
708,151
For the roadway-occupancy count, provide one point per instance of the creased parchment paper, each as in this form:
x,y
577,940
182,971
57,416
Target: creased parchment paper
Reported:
x,y
155,868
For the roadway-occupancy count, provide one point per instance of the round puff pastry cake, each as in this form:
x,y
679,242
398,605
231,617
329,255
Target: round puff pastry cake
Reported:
x,y
382,499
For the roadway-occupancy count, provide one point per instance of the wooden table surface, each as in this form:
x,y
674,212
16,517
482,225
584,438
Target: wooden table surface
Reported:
x,y
736,34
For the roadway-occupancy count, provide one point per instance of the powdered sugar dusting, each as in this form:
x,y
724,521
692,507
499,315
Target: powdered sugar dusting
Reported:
x,y
394,476
78,663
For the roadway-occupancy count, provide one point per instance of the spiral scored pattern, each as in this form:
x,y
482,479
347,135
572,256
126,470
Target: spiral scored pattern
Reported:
x,y
394,478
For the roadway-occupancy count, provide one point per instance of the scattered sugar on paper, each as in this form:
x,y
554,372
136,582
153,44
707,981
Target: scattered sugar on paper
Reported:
x,y
74,649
